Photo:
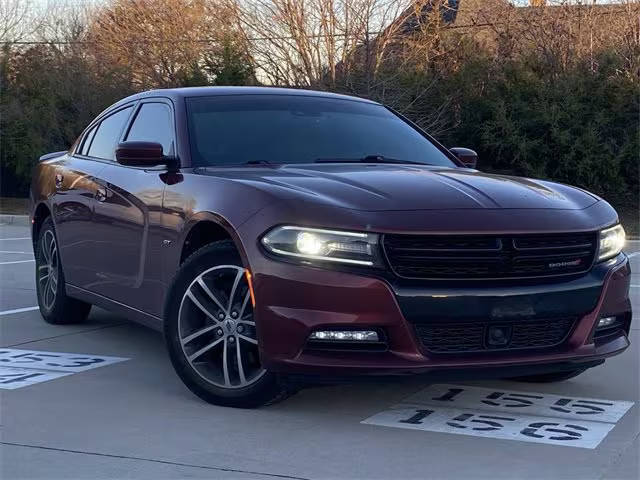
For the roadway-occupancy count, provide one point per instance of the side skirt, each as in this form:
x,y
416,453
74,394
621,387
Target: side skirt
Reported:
x,y
115,307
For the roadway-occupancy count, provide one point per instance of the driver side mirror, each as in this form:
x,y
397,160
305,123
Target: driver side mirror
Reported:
x,y
141,154
467,156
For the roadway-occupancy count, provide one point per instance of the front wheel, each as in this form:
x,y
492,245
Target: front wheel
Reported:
x,y
210,331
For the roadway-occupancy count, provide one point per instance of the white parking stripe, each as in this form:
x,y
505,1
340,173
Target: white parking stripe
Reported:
x,y
19,261
633,254
19,310
17,238
20,253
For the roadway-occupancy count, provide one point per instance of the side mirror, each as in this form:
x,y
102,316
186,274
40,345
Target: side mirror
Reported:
x,y
140,154
467,156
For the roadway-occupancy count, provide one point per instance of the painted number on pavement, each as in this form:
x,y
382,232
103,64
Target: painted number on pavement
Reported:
x,y
20,368
509,415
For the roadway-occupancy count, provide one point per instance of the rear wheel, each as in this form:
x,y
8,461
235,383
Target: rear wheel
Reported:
x,y
55,306
550,377
211,335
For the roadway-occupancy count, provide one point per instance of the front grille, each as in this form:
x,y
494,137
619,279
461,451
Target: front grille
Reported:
x,y
474,337
489,256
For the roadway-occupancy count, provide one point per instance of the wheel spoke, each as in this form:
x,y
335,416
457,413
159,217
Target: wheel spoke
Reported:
x,y
225,365
243,380
248,339
197,334
248,322
193,298
47,294
205,349
45,250
236,282
211,295
244,304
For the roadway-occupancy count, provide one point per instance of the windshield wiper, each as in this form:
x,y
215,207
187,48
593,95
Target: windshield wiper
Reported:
x,y
368,159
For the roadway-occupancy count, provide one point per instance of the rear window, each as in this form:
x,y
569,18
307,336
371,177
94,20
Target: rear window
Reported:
x,y
235,129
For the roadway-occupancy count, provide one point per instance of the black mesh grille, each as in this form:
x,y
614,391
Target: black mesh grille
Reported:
x,y
474,337
481,256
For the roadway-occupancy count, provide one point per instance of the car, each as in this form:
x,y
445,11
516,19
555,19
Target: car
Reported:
x,y
281,237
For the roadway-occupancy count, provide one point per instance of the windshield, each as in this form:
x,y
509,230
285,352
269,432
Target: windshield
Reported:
x,y
236,129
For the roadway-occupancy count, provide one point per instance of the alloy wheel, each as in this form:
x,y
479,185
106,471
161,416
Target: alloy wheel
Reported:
x,y
48,271
217,329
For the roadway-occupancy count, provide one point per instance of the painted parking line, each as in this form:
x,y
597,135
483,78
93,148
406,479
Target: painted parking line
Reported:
x,y
15,238
18,310
17,253
509,415
21,368
18,261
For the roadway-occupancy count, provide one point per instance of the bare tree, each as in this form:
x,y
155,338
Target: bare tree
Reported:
x,y
16,20
308,42
158,41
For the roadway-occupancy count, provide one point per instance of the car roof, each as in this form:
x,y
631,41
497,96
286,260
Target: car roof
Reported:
x,y
187,92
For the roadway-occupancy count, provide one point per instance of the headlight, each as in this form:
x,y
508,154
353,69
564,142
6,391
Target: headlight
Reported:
x,y
315,244
611,242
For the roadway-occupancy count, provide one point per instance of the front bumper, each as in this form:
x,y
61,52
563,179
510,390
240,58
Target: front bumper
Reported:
x,y
293,300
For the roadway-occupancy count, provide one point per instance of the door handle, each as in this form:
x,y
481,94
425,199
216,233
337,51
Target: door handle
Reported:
x,y
101,194
59,180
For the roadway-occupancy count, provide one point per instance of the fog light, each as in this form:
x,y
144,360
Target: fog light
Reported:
x,y
605,322
345,335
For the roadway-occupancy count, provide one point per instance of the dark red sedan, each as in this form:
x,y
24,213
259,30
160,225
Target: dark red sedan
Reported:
x,y
280,236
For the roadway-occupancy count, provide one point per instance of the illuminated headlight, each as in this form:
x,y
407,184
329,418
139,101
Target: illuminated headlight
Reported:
x,y
323,245
611,242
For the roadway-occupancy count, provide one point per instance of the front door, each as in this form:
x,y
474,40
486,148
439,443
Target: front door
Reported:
x,y
128,217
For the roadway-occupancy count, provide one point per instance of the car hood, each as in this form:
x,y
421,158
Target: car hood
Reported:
x,y
379,187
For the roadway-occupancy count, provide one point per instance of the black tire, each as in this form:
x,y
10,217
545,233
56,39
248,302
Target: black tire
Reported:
x,y
550,377
267,389
56,307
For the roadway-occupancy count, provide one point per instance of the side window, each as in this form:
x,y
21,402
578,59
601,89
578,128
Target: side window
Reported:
x,y
153,123
105,139
84,150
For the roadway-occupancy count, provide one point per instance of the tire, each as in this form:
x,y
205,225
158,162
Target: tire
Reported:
x,y
56,307
202,327
550,377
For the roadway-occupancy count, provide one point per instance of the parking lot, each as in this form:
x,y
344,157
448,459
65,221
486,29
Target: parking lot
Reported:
x,y
131,417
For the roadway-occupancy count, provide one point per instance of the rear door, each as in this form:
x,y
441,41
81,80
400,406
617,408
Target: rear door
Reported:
x,y
128,216
78,181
